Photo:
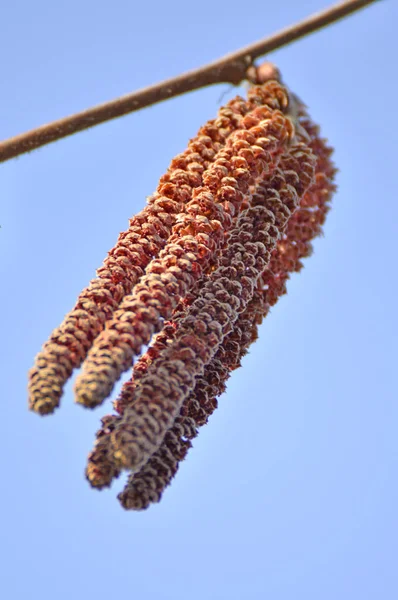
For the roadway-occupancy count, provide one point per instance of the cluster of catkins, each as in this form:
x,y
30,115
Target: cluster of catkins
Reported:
x,y
192,277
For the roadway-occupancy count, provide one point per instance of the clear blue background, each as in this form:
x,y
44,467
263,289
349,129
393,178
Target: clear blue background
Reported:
x,y
291,491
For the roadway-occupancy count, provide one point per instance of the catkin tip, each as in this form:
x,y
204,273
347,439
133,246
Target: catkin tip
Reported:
x,y
90,395
43,406
97,478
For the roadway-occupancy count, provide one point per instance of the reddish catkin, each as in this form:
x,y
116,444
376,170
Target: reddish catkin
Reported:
x,y
125,264
193,276
199,232
147,486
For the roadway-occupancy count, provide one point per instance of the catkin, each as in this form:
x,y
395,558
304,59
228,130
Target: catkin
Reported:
x,y
193,276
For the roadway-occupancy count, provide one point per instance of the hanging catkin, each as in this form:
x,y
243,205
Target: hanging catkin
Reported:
x,y
193,277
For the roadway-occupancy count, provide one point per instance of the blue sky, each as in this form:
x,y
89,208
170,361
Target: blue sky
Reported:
x,y
291,490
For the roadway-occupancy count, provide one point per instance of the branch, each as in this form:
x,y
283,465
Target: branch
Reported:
x,y
232,68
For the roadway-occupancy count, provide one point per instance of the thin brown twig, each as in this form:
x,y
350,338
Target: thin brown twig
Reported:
x,y
232,68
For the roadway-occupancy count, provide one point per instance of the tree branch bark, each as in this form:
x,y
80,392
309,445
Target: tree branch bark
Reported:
x,y
232,68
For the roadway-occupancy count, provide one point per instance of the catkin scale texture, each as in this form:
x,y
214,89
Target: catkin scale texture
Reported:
x,y
193,276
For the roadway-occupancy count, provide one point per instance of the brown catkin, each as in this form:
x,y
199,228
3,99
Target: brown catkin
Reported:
x,y
193,276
